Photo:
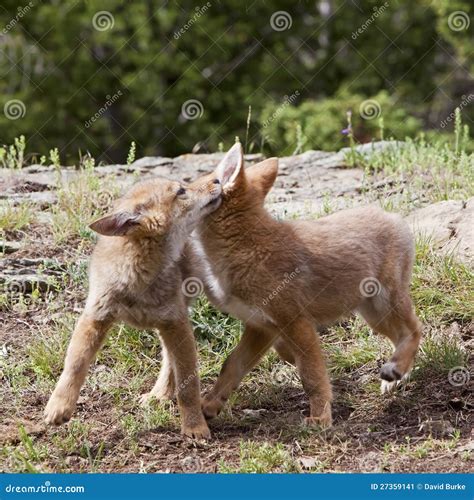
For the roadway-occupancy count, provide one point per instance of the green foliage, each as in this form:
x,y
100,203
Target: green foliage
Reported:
x,y
97,90
322,121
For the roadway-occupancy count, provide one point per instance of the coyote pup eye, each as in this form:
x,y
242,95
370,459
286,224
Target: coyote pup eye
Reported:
x,y
181,191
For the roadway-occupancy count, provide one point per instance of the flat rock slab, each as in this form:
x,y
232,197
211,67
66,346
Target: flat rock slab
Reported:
x,y
7,247
449,225
23,276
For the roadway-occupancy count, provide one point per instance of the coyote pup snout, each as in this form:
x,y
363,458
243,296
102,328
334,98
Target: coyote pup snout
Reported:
x,y
136,275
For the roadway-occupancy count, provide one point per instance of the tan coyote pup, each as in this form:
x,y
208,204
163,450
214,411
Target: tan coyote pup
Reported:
x,y
136,276
283,278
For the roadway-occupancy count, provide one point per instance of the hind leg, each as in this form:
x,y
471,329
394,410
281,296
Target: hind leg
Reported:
x,y
396,320
305,345
283,350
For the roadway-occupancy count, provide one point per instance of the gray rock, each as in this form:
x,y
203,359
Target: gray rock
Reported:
x,y
448,225
7,247
22,276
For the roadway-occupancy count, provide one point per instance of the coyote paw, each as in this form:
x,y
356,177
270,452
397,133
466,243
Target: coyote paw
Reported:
x,y
324,420
390,372
148,397
199,431
58,410
211,407
388,387
391,377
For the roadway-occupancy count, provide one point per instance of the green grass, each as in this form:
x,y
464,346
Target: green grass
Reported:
x,y
15,217
261,458
80,202
442,286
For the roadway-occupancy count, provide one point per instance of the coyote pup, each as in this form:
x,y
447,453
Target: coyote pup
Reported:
x,y
136,276
283,278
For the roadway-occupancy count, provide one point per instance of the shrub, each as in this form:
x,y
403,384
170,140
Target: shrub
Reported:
x,y
321,122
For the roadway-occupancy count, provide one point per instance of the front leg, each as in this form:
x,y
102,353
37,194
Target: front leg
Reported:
x,y
85,342
165,387
178,340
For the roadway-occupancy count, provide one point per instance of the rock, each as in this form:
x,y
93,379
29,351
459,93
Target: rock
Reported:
x,y
151,162
7,247
308,462
449,225
23,276
437,428
41,199
254,413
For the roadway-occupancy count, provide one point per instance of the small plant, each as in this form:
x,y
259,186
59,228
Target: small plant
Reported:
x,y
249,117
87,162
300,140
15,218
54,157
13,156
131,153
262,458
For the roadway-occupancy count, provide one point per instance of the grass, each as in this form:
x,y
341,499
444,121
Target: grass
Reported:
x,y
111,432
261,458
80,202
15,218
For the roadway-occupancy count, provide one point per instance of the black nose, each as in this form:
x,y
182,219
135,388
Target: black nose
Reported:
x,y
216,181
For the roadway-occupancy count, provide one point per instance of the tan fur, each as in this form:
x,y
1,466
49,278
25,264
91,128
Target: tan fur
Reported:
x,y
136,276
283,278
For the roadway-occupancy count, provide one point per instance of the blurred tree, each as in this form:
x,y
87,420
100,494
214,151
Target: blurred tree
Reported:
x,y
95,75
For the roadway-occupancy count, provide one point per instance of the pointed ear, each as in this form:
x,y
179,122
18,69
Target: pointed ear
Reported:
x,y
116,224
230,166
263,175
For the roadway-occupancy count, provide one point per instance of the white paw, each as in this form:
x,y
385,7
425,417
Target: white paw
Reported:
x,y
58,410
148,397
387,387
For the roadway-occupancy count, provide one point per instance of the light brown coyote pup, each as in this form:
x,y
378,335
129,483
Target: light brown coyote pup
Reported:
x,y
136,275
283,278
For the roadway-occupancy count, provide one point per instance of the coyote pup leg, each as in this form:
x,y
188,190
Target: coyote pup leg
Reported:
x,y
85,342
178,339
165,387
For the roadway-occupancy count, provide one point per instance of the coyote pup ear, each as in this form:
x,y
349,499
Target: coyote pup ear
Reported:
x,y
263,175
230,166
116,224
